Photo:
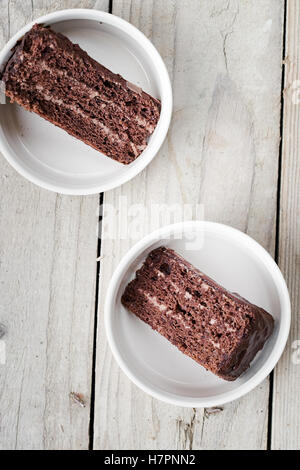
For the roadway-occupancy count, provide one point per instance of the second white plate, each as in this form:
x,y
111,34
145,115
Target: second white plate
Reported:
x,y
236,262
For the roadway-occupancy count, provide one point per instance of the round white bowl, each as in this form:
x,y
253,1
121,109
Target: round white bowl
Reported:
x,y
48,156
235,261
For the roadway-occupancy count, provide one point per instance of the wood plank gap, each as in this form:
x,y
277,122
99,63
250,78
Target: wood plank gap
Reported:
x,y
92,405
92,402
270,411
277,229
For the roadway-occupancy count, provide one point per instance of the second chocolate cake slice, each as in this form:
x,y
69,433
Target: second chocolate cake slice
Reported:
x,y
56,79
220,330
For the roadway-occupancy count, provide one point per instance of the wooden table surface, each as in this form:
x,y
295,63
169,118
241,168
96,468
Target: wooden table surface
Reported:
x,y
233,147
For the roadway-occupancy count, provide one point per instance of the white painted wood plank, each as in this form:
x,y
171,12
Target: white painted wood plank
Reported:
x,y
286,402
48,249
221,151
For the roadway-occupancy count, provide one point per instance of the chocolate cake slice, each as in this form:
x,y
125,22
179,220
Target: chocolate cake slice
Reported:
x,y
56,79
218,329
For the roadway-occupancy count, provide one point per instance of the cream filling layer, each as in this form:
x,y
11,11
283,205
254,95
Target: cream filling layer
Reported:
x,y
94,93
182,291
137,149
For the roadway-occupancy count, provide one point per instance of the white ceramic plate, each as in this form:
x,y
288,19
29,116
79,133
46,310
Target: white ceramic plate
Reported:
x,y
48,156
235,261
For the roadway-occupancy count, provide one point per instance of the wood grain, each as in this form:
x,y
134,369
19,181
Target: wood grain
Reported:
x,y
222,152
286,403
48,256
